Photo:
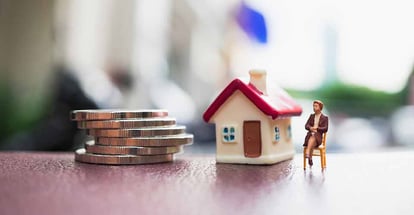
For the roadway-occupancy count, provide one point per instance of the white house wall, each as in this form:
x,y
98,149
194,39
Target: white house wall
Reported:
x,y
284,148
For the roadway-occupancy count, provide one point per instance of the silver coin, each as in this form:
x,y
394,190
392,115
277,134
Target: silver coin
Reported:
x,y
137,132
82,115
127,123
130,150
160,141
82,156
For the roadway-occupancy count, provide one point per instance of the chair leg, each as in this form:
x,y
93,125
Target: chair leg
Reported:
x,y
321,160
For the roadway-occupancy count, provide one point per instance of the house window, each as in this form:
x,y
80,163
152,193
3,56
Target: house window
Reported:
x,y
229,134
289,132
277,134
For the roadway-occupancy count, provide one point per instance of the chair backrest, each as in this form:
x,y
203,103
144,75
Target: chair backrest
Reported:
x,y
324,139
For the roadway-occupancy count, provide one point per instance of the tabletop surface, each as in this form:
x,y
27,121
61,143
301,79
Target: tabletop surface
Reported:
x,y
53,183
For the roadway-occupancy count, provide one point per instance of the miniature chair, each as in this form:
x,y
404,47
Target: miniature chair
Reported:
x,y
320,151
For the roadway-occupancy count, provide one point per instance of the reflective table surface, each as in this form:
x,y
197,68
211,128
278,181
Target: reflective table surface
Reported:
x,y
53,183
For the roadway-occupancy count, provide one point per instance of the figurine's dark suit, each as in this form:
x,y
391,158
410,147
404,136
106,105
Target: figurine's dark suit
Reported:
x,y
322,128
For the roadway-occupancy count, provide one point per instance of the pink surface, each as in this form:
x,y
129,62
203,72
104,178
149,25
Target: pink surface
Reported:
x,y
52,183
277,104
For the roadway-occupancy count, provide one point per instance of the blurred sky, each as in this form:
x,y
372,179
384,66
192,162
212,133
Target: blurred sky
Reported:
x,y
368,43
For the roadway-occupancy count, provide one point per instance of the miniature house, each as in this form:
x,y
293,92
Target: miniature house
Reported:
x,y
252,121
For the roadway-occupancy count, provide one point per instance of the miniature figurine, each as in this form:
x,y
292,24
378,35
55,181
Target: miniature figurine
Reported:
x,y
253,121
316,125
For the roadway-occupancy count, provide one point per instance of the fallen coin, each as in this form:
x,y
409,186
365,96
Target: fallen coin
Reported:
x,y
138,132
130,150
82,156
82,115
173,140
127,123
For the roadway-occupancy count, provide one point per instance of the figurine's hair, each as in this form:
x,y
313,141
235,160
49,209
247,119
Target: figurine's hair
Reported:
x,y
319,103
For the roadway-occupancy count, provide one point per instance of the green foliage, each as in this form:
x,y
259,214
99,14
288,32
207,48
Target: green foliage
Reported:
x,y
355,100
17,115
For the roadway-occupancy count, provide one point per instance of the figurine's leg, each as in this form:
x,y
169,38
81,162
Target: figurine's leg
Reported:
x,y
309,151
311,145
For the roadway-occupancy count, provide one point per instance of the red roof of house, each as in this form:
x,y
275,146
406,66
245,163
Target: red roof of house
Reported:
x,y
276,104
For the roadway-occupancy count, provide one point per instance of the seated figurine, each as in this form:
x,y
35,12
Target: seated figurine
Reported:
x,y
316,125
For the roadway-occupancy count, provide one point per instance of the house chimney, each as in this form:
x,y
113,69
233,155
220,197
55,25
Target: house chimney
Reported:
x,y
258,79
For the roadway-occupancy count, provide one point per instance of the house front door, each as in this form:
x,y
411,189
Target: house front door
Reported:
x,y
252,139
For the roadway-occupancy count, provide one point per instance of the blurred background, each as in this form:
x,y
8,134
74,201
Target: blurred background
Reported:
x,y
62,55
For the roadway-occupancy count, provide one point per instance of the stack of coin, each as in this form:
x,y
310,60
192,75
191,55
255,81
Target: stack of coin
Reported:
x,y
129,137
